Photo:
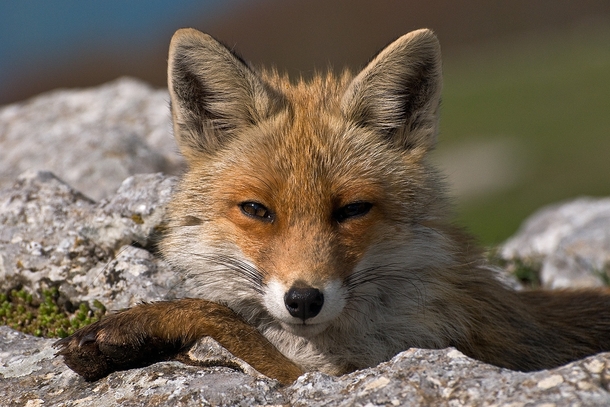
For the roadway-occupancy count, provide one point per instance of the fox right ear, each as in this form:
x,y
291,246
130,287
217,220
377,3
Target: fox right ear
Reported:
x,y
213,93
398,92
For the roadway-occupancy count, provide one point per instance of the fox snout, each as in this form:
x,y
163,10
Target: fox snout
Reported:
x,y
304,302
305,308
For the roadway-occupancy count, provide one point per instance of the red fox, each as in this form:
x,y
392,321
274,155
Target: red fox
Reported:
x,y
317,236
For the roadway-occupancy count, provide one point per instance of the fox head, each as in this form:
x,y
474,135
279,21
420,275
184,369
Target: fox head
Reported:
x,y
307,205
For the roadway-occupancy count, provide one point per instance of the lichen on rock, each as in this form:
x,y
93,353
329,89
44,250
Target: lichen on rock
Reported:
x,y
53,236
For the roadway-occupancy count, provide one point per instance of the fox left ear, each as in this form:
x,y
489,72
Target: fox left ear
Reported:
x,y
213,92
398,92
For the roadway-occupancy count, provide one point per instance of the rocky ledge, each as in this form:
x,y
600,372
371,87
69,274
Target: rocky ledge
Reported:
x,y
53,235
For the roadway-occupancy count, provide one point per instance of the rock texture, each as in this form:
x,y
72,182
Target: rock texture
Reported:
x,y
92,138
33,376
53,235
570,241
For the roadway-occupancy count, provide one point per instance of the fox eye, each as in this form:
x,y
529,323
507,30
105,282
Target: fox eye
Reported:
x,y
256,210
352,210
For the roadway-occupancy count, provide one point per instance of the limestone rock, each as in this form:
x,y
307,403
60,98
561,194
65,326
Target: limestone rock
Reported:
x,y
92,138
53,235
419,377
33,376
571,241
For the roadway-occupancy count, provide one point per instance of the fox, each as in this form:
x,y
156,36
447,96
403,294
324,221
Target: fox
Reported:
x,y
315,234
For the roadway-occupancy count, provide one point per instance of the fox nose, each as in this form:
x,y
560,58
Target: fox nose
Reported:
x,y
304,302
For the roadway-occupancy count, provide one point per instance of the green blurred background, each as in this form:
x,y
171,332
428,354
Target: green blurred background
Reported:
x,y
540,107
526,105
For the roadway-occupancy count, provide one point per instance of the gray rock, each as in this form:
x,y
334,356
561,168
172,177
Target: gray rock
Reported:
x,y
92,138
571,241
53,235
33,376
446,377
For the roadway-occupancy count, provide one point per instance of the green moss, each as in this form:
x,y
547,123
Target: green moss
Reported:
x,y
526,271
137,219
604,275
41,315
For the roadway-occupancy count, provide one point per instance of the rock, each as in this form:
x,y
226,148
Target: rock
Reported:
x,y
32,375
571,242
53,235
420,377
92,138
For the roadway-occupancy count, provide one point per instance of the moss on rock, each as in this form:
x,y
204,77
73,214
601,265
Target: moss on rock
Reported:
x,y
41,315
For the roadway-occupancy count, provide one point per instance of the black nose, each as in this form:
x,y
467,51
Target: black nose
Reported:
x,y
304,302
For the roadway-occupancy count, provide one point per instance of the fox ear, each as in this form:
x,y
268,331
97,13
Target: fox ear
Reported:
x,y
398,92
213,92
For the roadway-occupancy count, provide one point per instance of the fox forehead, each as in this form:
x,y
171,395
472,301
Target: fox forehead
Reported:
x,y
300,173
311,151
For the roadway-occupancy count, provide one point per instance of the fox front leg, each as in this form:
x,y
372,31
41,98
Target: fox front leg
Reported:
x,y
150,333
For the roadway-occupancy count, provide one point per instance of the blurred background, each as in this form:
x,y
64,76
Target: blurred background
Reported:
x,y
526,105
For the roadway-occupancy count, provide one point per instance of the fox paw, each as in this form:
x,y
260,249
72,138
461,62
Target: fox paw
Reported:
x,y
84,354
102,348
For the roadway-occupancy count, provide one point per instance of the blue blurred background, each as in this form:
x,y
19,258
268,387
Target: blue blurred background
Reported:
x,y
526,108
46,44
